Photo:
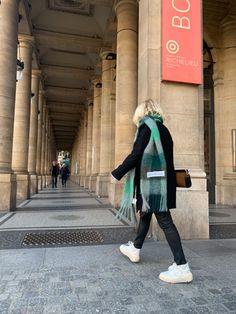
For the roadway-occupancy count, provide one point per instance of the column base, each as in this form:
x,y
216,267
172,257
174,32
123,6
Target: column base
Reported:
x,y
226,191
48,181
39,183
102,185
82,181
191,216
8,192
33,184
23,187
115,193
44,182
87,178
92,182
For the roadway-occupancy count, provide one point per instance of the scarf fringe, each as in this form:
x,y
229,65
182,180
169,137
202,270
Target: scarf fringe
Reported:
x,y
127,214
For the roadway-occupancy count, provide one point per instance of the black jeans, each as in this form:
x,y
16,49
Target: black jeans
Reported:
x,y
54,181
171,233
63,180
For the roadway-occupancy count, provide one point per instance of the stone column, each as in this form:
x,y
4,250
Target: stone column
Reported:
x,y
84,148
22,120
89,144
39,138
8,56
105,133
183,108
46,150
43,146
33,133
96,136
226,115
126,85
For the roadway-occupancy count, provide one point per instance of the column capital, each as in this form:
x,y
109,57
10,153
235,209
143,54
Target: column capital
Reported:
x,y
36,73
228,26
121,5
26,40
42,92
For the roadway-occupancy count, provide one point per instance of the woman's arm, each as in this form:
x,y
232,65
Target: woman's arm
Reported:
x,y
132,160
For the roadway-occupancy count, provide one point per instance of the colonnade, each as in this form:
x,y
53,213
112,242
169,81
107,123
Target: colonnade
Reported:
x,y
105,130
109,138
26,144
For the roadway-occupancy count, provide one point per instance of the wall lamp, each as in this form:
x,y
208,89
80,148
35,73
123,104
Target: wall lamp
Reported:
x,y
98,85
111,56
19,65
19,69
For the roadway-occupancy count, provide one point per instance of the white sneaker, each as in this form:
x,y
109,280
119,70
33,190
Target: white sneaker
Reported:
x,y
177,274
130,251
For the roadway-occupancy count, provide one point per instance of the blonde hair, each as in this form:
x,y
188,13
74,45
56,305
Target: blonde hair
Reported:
x,y
147,108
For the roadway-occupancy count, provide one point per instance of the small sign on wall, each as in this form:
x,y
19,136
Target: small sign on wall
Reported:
x,y
182,41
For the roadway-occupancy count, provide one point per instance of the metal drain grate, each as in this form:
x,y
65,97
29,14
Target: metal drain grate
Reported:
x,y
62,237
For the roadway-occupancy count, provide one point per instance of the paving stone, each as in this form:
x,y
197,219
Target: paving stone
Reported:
x,y
199,301
230,305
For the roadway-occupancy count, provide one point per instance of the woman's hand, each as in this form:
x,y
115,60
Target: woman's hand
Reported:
x,y
113,179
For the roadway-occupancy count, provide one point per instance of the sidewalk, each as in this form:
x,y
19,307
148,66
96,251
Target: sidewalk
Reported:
x,y
98,279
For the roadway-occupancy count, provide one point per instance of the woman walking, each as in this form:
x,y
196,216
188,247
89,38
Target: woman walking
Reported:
x,y
151,180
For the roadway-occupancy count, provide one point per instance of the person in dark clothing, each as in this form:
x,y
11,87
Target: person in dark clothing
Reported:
x,y
153,186
54,173
64,174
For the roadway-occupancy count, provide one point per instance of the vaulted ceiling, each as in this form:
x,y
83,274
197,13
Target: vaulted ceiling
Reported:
x,y
69,35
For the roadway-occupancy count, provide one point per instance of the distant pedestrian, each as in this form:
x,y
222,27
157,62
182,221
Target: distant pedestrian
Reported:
x,y
151,181
65,172
54,173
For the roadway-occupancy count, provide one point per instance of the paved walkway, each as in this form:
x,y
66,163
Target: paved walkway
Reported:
x,y
97,278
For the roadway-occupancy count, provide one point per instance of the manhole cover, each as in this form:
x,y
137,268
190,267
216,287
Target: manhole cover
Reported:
x,y
64,237
212,214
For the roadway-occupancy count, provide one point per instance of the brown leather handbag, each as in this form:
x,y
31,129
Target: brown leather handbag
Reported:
x,y
183,179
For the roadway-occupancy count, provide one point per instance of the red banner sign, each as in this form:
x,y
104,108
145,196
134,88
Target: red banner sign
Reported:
x,y
181,41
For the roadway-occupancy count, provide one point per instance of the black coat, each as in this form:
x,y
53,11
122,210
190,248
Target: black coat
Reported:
x,y
133,160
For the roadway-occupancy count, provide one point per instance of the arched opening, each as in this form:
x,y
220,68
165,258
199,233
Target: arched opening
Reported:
x,y
209,123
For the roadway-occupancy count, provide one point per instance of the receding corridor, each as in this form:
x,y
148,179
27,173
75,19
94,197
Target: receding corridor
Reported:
x,y
65,209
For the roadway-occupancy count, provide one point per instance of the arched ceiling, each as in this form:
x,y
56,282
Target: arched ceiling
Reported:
x,y
69,36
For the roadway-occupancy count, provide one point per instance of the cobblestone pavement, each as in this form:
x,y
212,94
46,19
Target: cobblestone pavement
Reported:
x,y
98,279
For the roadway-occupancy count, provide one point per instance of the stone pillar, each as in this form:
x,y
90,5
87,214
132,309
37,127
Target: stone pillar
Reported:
x,y
33,133
126,85
96,136
183,108
43,147
113,112
105,133
39,138
8,56
84,147
22,120
46,149
226,115
89,144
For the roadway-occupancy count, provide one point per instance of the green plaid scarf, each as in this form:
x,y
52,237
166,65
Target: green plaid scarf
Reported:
x,y
152,177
